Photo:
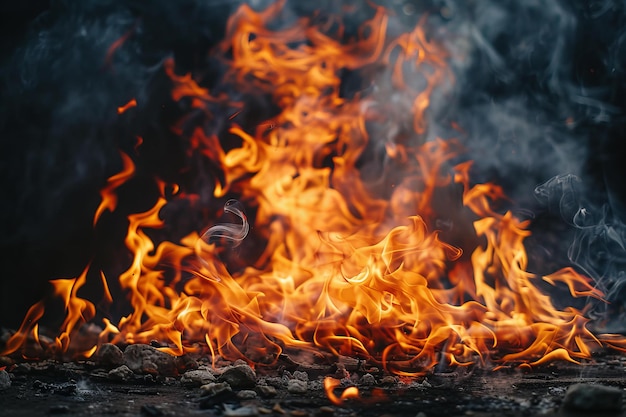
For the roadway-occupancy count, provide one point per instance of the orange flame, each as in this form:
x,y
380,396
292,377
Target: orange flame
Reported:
x,y
109,198
349,266
349,393
122,109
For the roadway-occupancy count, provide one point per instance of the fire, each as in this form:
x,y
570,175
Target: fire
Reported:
x,y
349,393
349,265
122,109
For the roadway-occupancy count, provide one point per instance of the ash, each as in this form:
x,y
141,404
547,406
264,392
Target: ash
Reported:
x,y
134,383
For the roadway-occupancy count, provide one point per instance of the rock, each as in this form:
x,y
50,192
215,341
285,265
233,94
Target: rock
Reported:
x,y
5,380
215,388
239,377
266,391
368,380
197,378
592,397
148,360
389,380
6,361
66,388
302,376
121,373
216,394
241,412
297,386
22,368
185,363
246,394
109,356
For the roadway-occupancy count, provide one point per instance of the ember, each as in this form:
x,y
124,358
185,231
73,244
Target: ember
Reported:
x,y
336,226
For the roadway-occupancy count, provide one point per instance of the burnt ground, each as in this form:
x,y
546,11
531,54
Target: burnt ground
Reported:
x,y
83,388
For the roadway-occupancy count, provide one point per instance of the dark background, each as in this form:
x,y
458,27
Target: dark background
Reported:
x,y
541,93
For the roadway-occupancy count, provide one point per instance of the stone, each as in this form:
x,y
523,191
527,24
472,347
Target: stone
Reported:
x,y
389,380
5,380
109,356
302,376
215,388
197,378
148,360
239,377
593,397
215,394
185,363
297,386
266,391
241,412
246,394
121,373
367,380
326,411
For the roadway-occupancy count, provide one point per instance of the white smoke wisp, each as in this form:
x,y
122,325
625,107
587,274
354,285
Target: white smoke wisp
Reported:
x,y
231,232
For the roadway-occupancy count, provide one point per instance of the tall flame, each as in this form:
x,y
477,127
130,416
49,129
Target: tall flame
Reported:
x,y
348,266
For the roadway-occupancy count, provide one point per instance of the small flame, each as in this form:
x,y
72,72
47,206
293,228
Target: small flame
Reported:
x,y
349,393
109,198
122,109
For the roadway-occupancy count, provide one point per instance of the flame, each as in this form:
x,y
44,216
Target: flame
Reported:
x,y
109,198
348,265
122,109
349,393
108,60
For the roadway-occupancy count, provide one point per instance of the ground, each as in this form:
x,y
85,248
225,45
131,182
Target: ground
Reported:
x,y
83,388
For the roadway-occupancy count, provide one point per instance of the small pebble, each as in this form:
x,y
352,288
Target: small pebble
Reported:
x,y
109,356
121,373
246,394
5,380
297,386
241,412
367,380
278,409
215,388
266,391
326,411
388,380
302,376
197,378
239,377
593,397
147,359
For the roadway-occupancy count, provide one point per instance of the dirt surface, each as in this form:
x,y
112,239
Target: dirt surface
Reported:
x,y
71,389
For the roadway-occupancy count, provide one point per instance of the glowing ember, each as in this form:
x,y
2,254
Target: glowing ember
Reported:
x,y
132,103
348,266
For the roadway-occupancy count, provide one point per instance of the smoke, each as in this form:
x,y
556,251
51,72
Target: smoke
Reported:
x,y
230,232
537,96
536,93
